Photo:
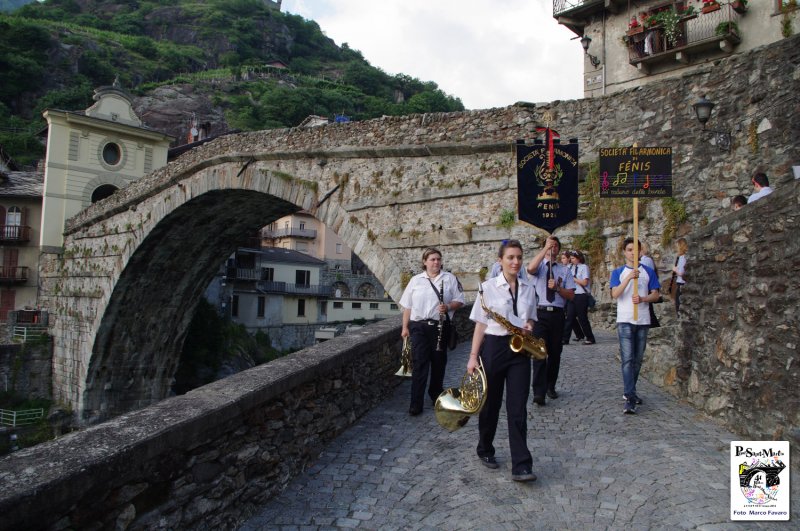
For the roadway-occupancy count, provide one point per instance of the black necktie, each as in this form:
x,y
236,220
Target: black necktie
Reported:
x,y
551,294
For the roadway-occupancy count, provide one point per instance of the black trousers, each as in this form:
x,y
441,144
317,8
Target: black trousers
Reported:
x,y
423,352
571,323
550,327
578,314
505,368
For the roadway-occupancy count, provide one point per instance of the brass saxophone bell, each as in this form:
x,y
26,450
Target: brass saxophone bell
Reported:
x,y
406,361
456,405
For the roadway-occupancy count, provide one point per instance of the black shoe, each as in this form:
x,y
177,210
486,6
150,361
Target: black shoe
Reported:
x,y
579,339
638,401
539,400
489,462
565,342
414,411
525,475
552,393
630,407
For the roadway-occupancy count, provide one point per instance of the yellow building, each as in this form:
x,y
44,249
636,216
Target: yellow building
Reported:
x,y
20,211
91,154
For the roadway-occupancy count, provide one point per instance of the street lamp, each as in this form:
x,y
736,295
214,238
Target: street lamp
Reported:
x,y
585,42
702,109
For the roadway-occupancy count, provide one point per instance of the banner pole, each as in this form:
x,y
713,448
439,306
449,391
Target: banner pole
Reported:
x,y
635,254
635,248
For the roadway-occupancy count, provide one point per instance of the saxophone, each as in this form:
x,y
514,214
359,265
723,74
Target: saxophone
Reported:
x,y
520,342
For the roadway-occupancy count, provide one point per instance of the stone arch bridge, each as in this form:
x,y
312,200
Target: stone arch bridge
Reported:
x,y
134,266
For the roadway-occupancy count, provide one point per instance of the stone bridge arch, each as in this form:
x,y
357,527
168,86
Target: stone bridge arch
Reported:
x,y
134,266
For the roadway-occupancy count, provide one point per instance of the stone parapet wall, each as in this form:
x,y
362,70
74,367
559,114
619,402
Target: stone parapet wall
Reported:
x,y
26,369
207,458
734,354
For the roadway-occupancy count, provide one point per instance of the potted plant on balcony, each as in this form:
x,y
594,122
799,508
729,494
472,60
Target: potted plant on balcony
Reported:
x,y
710,5
634,27
740,6
727,28
669,19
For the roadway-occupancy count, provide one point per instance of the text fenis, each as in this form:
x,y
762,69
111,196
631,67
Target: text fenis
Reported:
x,y
547,182
636,172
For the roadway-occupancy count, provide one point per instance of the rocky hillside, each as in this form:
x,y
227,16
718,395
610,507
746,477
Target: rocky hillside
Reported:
x,y
183,58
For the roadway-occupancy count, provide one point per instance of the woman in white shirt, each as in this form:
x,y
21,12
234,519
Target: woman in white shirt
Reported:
x,y
428,302
678,271
513,298
580,271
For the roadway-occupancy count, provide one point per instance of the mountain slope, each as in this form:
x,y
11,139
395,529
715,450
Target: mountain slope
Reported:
x,y
53,55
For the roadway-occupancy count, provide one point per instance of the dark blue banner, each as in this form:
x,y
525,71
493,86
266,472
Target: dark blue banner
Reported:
x,y
547,182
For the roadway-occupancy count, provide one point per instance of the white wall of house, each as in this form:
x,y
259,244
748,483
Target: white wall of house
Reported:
x,y
760,25
351,309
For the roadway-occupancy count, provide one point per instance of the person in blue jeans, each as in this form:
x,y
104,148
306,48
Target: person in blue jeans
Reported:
x,y
632,332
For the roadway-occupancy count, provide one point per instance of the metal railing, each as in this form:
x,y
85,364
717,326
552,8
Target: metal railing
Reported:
x,y
291,232
15,233
295,289
23,334
695,31
13,274
562,6
20,418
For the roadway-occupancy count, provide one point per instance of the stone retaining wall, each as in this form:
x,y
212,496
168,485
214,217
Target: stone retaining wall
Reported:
x,y
206,458
734,352
26,369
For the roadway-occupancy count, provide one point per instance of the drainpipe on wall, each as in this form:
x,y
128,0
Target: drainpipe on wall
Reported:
x,y
603,73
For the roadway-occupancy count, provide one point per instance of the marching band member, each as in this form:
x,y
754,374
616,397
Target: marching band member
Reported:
x,y
513,298
428,302
554,287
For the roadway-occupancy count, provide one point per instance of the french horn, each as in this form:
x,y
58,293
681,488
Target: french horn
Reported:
x,y
456,405
406,361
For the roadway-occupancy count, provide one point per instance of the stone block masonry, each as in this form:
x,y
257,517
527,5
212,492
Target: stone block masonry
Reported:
x,y
734,352
204,459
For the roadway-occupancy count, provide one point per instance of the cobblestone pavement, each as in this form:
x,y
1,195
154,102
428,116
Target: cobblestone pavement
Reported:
x,y
663,468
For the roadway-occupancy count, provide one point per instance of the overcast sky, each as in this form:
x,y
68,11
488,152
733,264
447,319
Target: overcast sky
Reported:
x,y
488,53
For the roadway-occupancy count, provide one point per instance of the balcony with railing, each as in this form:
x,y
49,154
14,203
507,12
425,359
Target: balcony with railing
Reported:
x,y
294,289
694,34
289,232
582,8
13,275
15,234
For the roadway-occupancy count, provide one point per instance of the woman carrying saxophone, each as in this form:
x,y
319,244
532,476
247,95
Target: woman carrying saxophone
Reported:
x,y
513,299
428,302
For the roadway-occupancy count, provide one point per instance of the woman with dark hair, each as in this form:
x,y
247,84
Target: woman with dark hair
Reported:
x,y
678,272
514,298
570,322
428,302
580,303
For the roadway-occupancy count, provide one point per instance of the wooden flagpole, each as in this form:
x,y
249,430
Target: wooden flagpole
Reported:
x,y
635,250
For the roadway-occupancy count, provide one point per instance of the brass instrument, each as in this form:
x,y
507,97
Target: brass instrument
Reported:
x,y
454,406
520,342
406,361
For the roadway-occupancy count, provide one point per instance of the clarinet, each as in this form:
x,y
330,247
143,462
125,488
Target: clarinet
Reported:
x,y
439,344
